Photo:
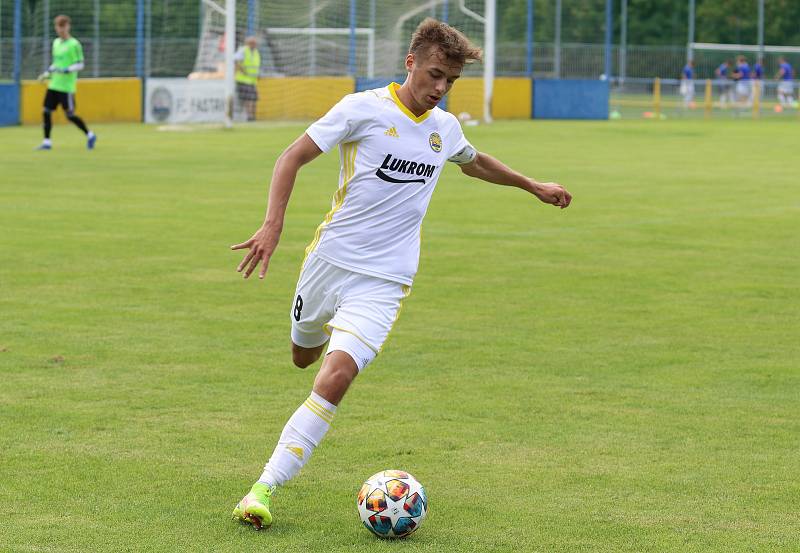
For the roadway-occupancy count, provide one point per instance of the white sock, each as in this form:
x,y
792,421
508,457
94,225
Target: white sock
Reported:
x,y
47,142
90,134
303,432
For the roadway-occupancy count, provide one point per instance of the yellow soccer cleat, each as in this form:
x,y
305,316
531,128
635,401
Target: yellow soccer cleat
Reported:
x,y
254,507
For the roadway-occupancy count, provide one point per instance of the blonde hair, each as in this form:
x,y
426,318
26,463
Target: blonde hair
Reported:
x,y
453,43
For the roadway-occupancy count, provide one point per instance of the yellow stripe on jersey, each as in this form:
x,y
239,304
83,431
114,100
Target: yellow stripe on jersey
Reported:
x,y
393,90
406,293
348,152
319,410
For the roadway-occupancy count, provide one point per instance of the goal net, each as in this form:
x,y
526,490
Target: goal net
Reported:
x,y
709,56
313,52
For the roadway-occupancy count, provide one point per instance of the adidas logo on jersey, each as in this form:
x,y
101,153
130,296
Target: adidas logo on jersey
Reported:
x,y
404,166
392,132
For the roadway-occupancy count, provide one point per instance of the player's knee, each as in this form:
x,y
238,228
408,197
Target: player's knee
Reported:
x,y
337,377
70,115
47,111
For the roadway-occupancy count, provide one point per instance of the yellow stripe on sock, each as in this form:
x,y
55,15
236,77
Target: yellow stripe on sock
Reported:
x,y
317,411
318,404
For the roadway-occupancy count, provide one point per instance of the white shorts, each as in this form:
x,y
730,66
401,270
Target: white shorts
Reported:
x,y
785,87
743,88
356,311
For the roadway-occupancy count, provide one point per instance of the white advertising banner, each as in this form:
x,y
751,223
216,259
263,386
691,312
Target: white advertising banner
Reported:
x,y
184,101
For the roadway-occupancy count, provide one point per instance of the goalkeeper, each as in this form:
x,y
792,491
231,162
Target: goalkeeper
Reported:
x,y
63,74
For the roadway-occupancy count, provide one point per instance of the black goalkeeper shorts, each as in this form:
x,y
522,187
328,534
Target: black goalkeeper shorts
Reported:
x,y
54,98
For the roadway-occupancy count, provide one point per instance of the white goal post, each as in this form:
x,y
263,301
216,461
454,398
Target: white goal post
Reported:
x,y
229,13
710,46
230,47
489,20
744,47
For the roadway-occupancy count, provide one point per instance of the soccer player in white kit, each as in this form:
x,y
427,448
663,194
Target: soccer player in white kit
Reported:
x,y
393,144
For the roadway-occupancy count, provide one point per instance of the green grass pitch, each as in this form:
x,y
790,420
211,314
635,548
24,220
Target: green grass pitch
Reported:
x,y
619,376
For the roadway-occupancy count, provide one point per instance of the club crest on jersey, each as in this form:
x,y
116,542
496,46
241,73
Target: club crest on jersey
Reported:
x,y
435,141
405,166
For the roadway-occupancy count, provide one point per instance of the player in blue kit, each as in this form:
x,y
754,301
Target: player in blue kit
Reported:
x,y
758,78
744,89
687,84
724,84
758,69
785,83
393,144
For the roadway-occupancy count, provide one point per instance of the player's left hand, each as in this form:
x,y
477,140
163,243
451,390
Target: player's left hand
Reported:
x,y
43,77
552,193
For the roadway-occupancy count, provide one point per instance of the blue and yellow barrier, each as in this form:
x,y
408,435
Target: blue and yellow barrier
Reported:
x,y
570,99
306,98
300,97
511,98
9,104
96,100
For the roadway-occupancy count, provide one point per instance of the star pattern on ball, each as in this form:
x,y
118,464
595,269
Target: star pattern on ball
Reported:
x,y
395,510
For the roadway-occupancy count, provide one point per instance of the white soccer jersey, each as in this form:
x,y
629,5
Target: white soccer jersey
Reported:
x,y
390,162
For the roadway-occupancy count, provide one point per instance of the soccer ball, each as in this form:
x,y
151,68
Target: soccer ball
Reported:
x,y
392,504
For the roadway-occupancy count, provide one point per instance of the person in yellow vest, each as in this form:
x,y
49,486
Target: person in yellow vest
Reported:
x,y
248,65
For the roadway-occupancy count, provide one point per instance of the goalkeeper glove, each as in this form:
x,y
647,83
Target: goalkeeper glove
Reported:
x,y
54,69
44,76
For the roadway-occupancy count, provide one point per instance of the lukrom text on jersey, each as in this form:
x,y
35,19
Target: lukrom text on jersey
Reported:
x,y
408,167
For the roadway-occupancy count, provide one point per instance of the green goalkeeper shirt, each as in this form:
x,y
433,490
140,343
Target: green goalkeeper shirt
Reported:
x,y
65,53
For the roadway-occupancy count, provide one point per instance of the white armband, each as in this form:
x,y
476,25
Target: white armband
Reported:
x,y
467,154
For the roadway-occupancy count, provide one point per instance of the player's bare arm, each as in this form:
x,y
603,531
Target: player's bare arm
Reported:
x,y
490,169
262,244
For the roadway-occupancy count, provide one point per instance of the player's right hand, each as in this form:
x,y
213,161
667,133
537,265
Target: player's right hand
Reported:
x,y
43,77
261,245
553,193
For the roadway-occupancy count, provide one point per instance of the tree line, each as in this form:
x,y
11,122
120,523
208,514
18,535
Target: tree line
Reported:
x,y
655,22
